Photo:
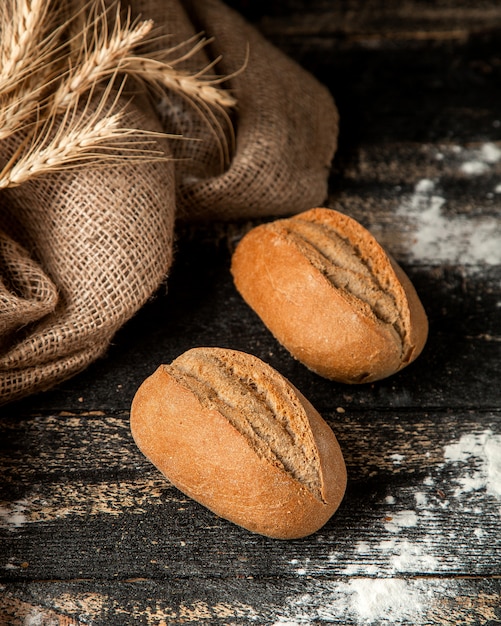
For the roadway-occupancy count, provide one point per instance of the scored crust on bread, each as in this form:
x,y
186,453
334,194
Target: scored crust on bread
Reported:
x,y
269,415
331,295
232,433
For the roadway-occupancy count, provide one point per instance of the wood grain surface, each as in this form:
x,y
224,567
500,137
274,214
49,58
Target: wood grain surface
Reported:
x,y
91,533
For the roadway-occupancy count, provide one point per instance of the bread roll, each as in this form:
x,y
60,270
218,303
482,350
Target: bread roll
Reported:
x,y
331,295
232,433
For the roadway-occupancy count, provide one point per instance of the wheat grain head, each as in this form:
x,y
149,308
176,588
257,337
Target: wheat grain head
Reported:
x,y
44,78
91,134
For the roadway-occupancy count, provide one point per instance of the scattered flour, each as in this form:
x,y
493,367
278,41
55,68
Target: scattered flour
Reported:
x,y
363,601
437,238
13,514
405,545
421,499
402,519
408,556
38,618
397,458
398,555
480,453
363,547
301,569
474,168
479,161
412,532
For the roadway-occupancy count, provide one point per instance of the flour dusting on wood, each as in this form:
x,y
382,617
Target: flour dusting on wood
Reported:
x,y
363,601
479,456
13,514
436,236
479,161
449,501
402,519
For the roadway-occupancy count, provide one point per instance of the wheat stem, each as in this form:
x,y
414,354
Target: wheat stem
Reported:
x,y
23,28
162,74
43,79
102,58
76,137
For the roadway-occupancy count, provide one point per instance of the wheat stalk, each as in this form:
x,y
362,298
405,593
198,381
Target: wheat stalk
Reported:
x,y
77,137
23,24
102,57
43,80
14,111
29,60
199,90
162,74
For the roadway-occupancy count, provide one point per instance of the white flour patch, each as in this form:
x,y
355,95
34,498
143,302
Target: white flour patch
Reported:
x,y
300,568
397,458
479,161
474,168
397,555
479,456
36,618
437,238
363,547
407,556
363,601
402,519
14,514
421,499
385,598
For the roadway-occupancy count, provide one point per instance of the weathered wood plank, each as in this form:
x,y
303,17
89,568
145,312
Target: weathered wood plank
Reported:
x,y
398,84
79,501
236,601
410,19
15,612
90,447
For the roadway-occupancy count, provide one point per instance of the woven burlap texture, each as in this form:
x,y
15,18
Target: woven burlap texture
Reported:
x,y
82,250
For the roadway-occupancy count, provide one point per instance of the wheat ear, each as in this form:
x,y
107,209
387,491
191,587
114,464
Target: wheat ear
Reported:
x,y
102,56
77,137
191,85
62,136
29,61
24,39
200,90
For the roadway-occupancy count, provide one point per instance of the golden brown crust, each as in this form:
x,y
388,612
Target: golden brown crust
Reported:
x,y
331,295
206,457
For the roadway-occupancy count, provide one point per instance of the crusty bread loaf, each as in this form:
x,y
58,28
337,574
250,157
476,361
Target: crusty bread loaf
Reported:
x,y
331,295
232,433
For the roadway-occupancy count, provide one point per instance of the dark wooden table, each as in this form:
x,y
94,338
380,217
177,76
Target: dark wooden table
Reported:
x,y
90,533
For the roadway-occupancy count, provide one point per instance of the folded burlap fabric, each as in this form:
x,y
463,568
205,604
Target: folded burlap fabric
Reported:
x,y
88,208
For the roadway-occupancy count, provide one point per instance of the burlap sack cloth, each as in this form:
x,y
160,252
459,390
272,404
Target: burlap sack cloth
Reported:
x,y
82,250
